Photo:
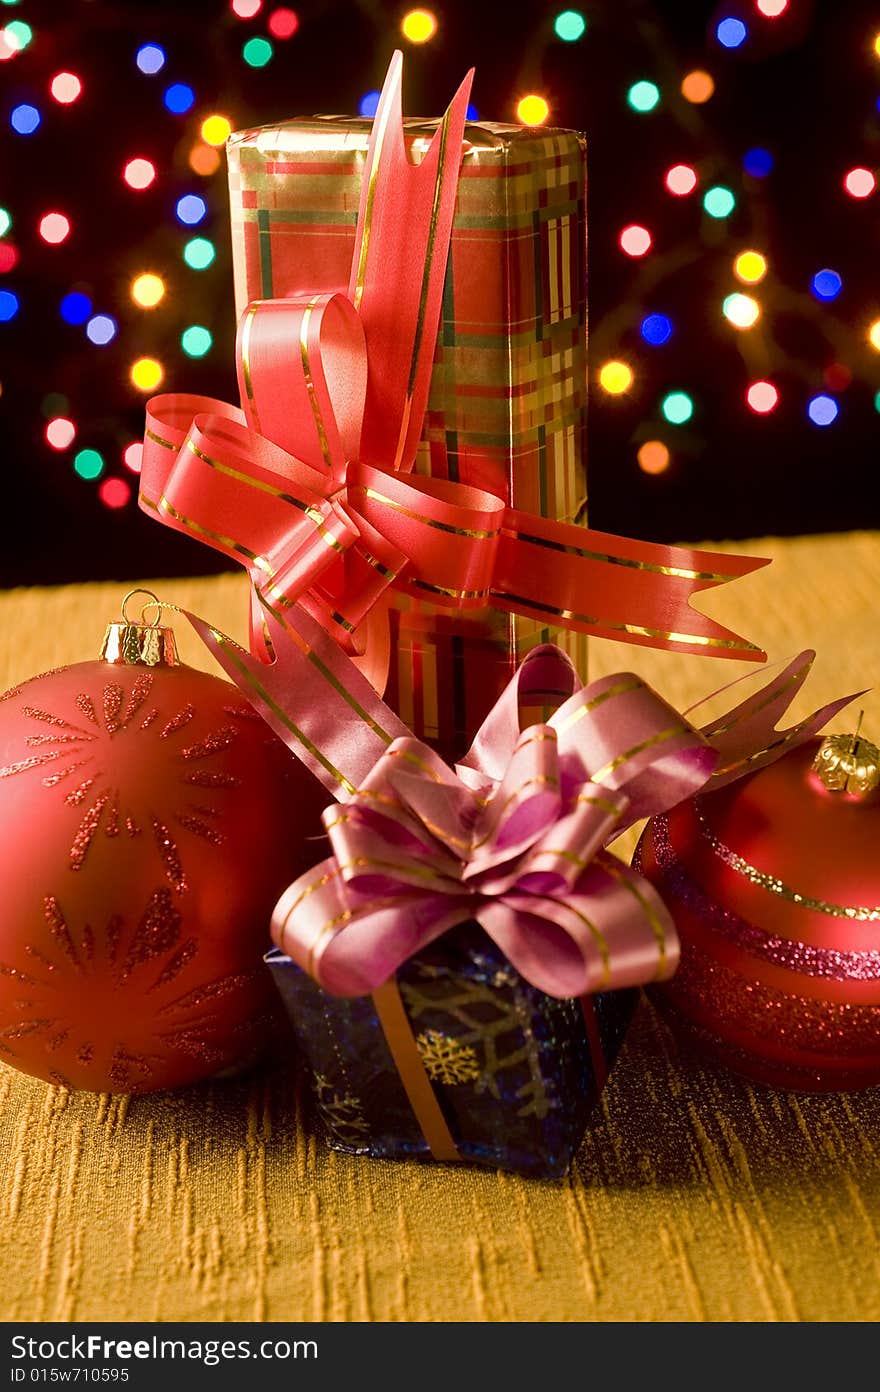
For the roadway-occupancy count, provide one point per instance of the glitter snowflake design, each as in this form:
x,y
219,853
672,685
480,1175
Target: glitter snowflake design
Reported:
x,y
70,755
446,1060
341,1112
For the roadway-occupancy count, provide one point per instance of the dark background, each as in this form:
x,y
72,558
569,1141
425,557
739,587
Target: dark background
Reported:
x,y
805,86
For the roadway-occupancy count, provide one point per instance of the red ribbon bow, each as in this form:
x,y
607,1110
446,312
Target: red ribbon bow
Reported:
x,y
309,483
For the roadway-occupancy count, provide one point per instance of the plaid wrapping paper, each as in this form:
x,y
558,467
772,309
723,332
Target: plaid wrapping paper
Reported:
x,y
507,404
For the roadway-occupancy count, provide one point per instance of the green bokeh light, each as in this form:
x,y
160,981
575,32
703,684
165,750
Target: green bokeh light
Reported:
x,y
18,33
88,463
718,201
677,407
643,96
570,25
199,253
195,341
257,52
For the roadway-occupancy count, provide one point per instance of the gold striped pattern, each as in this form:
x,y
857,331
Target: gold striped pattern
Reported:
x,y
320,427
608,559
377,497
380,130
668,635
619,875
246,329
261,562
773,885
659,738
619,688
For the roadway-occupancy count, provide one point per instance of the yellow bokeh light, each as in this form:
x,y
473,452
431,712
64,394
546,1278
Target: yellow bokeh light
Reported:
x,y
216,130
874,335
146,374
697,86
419,26
616,377
653,457
204,159
877,44
750,267
532,110
742,311
147,290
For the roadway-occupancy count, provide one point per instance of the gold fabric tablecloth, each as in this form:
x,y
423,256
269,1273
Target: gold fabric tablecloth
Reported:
x,y
694,1197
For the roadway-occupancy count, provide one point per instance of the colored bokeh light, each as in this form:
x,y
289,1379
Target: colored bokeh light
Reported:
x,y
283,23
9,305
730,32
65,88
204,159
532,110
114,493
771,9
762,397
822,409
246,9
75,307
191,209
146,374
859,182
643,96
681,179
826,284
196,341
139,173
216,130
635,240
615,377
147,290
88,463
18,34
877,401
369,103
133,456
199,253
677,407
697,87
874,335
653,457
150,58
8,257
757,162
5,221
24,118
569,26
101,329
178,98
257,52
60,433
54,228
750,267
837,377
742,311
419,26
719,201
656,329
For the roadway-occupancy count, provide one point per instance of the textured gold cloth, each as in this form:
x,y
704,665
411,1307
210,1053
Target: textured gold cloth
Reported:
x,y
694,1197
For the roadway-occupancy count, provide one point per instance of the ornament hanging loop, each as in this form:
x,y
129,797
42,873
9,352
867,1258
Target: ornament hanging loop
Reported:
x,y
130,642
153,602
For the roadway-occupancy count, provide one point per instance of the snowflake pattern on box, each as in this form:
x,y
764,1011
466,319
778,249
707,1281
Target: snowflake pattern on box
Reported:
x,y
511,1067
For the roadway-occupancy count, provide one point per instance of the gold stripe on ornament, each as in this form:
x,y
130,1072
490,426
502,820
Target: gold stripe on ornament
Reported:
x,y
773,885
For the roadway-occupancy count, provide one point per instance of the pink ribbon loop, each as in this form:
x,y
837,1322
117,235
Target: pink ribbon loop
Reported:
x,y
418,847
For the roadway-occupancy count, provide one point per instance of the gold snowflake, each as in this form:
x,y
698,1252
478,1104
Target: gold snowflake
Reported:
x,y
446,1060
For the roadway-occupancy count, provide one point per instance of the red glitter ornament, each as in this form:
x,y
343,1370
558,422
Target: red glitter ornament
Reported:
x,y
774,884
148,821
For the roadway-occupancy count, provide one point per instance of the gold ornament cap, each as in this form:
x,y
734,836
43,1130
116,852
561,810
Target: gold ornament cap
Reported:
x,y
848,764
134,643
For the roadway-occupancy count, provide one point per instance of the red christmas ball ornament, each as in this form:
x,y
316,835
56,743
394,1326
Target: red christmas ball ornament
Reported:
x,y
149,819
774,885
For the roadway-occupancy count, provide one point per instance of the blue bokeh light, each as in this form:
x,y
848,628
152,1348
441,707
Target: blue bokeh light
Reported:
x,y
730,32
191,209
758,162
179,98
101,329
822,409
656,328
150,58
24,118
75,307
9,305
826,284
